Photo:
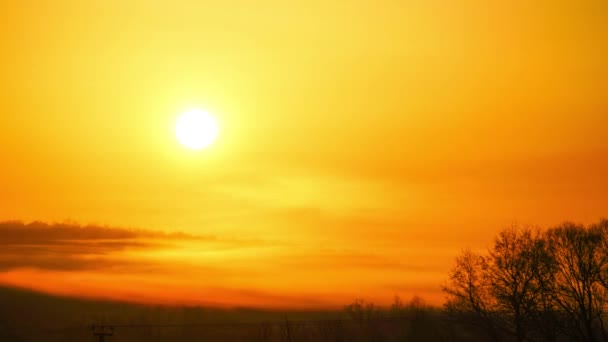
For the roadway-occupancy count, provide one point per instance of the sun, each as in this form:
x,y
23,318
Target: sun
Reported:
x,y
196,129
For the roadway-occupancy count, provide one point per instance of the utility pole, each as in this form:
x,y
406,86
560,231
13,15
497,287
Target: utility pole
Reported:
x,y
102,331
287,330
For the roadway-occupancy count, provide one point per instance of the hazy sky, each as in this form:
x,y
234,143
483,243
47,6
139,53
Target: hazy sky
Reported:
x,y
368,141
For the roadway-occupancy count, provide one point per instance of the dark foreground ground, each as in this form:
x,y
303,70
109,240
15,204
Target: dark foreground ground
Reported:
x,y
30,316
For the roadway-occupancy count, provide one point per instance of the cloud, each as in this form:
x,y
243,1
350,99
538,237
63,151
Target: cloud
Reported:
x,y
153,267
143,266
69,246
19,232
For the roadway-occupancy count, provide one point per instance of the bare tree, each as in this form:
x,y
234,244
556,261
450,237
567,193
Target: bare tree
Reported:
x,y
518,270
536,286
470,299
602,229
579,260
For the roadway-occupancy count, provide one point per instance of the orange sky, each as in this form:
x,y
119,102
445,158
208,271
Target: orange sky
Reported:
x,y
366,141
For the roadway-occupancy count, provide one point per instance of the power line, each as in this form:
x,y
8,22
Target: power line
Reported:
x,y
239,324
153,325
103,330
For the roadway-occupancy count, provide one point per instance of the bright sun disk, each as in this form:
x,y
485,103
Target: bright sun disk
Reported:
x,y
196,129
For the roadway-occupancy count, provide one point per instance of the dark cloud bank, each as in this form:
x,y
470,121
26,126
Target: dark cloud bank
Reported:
x,y
69,246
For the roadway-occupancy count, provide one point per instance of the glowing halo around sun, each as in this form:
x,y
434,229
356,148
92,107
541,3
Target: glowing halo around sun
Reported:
x,y
196,129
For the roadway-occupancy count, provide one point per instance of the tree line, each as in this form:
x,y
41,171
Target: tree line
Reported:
x,y
534,285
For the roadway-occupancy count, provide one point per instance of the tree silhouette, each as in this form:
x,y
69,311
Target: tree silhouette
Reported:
x,y
470,300
534,286
579,259
517,272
